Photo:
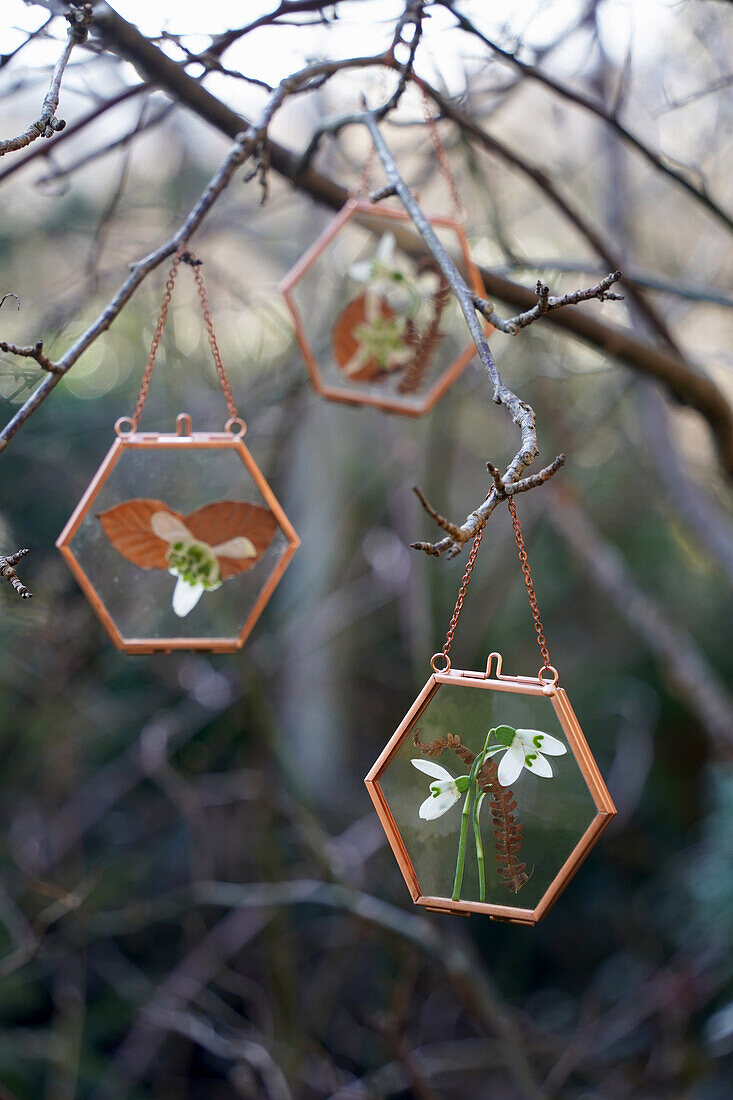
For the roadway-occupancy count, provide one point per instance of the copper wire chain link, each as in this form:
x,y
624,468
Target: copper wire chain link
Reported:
x,y
539,629
195,264
223,379
458,209
461,597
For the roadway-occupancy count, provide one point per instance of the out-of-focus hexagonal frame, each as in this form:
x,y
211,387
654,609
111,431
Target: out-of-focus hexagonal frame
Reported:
x,y
524,685
152,441
351,210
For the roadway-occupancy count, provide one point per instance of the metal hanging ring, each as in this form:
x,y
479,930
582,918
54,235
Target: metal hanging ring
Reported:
x,y
235,426
436,657
553,673
122,432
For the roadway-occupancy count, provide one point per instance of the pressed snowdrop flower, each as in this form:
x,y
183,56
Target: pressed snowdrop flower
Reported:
x,y
383,340
194,562
524,749
444,792
393,279
381,270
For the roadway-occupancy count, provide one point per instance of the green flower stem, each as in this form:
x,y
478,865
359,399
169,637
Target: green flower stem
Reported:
x,y
465,815
460,861
479,847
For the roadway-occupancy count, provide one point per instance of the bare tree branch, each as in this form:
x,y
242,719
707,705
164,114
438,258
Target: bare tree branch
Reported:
x,y
546,303
8,572
46,125
645,279
32,351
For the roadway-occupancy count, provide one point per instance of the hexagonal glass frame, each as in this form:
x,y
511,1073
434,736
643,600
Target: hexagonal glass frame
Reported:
x,y
398,222
560,818
166,462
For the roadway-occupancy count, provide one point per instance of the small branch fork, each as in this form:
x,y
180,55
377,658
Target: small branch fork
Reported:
x,y
31,351
47,124
8,572
546,303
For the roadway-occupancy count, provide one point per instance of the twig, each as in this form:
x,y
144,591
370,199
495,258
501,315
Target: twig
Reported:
x,y
286,7
46,125
31,351
501,490
5,58
452,528
8,572
647,279
546,303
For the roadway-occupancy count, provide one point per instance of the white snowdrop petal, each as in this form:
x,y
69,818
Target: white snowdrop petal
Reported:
x,y
537,764
186,596
168,527
434,807
361,271
239,547
431,768
547,744
385,248
511,764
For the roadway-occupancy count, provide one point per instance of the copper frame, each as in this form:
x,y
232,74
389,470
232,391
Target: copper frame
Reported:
x,y
349,395
183,437
526,685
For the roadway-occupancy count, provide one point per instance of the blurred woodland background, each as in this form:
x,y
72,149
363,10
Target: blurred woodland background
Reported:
x,y
196,899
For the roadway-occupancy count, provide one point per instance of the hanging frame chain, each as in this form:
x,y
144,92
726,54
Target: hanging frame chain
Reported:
x,y
539,629
188,257
223,379
149,366
458,210
445,651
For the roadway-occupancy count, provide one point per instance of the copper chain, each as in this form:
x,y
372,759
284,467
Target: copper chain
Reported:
x,y
527,580
195,264
162,317
461,595
530,587
442,159
226,387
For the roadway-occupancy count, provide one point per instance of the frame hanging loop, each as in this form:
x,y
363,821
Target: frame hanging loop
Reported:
x,y
186,256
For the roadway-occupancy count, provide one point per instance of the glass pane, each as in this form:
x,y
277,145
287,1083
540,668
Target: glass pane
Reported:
x,y
225,586
527,829
379,321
